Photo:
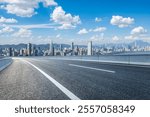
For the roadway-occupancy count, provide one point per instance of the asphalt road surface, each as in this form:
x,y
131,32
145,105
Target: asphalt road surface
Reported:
x,y
50,79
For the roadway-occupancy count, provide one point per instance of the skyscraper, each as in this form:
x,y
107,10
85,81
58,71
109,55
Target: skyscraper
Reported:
x,y
29,49
51,48
61,47
72,48
21,52
10,51
0,51
34,50
90,48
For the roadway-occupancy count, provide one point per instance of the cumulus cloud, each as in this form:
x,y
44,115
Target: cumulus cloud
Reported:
x,y
22,11
34,26
137,33
66,20
98,19
121,22
97,38
9,20
99,29
83,31
24,8
50,3
23,33
58,36
131,37
138,30
66,26
115,38
6,29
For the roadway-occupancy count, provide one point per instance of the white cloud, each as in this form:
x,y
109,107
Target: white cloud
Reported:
x,y
131,37
98,19
115,38
11,1
137,33
24,8
97,38
34,26
66,20
58,36
121,22
9,20
99,29
6,30
50,3
39,37
21,11
23,33
66,26
83,31
138,30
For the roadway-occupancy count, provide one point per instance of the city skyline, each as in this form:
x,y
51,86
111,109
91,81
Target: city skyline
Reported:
x,y
54,49
64,22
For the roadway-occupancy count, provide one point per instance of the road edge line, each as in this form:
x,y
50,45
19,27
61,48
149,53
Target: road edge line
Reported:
x,y
56,83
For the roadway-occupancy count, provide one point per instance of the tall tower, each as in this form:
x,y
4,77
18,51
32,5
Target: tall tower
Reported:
x,y
90,48
72,48
61,47
29,49
33,50
10,51
51,48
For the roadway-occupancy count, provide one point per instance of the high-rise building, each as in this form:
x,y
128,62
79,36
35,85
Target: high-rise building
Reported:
x,y
61,47
29,49
39,51
10,51
1,52
90,48
72,48
34,50
51,48
21,52
77,50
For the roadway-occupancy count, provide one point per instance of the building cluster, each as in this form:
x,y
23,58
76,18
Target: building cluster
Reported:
x,y
73,50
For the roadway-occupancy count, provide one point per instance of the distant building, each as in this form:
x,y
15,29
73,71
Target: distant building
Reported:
x,y
72,48
0,51
29,49
51,48
39,51
14,52
90,48
21,52
61,49
77,50
34,50
10,51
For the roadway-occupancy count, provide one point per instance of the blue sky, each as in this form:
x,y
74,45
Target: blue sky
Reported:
x,y
80,21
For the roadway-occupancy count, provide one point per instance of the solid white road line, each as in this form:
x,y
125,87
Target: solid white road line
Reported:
x,y
61,87
104,70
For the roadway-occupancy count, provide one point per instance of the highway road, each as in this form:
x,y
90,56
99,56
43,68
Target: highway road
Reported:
x,y
51,79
